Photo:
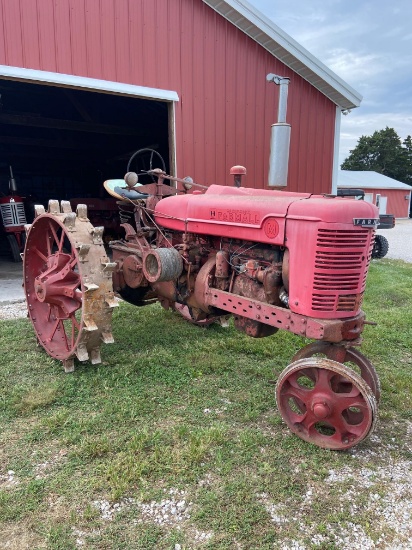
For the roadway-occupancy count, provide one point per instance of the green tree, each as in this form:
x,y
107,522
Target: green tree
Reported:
x,y
407,146
382,152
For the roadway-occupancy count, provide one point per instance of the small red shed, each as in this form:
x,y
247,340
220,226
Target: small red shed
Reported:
x,y
391,196
86,83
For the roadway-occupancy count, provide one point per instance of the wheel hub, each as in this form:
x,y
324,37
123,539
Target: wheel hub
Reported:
x,y
321,409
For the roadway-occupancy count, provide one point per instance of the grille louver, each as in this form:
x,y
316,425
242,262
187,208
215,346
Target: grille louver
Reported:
x,y
341,261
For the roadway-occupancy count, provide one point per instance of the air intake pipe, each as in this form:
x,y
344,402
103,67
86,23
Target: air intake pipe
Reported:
x,y
280,137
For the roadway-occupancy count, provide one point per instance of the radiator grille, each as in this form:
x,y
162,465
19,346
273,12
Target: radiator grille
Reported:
x,y
13,214
341,261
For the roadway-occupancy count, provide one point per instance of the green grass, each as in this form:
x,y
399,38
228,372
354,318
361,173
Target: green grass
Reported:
x,y
174,406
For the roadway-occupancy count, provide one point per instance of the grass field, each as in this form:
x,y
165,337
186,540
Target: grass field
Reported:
x,y
174,441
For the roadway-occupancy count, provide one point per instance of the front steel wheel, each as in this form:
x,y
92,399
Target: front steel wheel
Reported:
x,y
326,403
68,286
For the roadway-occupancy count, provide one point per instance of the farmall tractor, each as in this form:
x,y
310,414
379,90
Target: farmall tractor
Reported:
x,y
270,259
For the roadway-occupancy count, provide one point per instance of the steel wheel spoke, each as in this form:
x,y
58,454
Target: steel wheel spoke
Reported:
x,y
294,390
75,325
54,233
54,328
48,243
39,254
63,328
324,377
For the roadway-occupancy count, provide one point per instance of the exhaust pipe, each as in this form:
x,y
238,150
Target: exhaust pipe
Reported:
x,y
12,183
280,137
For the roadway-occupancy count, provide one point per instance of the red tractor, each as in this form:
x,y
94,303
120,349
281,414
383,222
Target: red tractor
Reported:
x,y
271,259
14,219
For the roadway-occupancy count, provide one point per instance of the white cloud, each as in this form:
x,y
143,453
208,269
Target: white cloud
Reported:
x,y
354,66
365,43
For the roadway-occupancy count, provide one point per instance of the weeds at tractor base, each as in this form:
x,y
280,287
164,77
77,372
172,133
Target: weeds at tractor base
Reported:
x,y
178,413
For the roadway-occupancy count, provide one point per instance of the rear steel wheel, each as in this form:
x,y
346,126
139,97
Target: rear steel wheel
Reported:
x,y
68,284
326,403
350,356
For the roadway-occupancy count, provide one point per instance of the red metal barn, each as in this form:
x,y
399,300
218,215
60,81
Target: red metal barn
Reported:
x,y
84,83
391,196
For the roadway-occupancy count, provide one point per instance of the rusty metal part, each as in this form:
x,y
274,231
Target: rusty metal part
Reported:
x,y
222,264
162,264
350,356
199,318
133,271
326,403
330,330
272,280
255,329
204,281
187,182
238,171
68,285
285,269
246,287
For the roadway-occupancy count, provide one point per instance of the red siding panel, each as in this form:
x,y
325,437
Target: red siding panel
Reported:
x,y
30,34
47,30
2,34
108,40
62,35
12,28
93,38
397,204
78,37
226,105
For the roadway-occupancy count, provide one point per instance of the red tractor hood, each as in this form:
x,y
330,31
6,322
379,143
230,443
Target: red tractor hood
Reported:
x,y
253,214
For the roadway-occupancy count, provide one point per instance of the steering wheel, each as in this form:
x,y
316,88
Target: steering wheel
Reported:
x,y
148,159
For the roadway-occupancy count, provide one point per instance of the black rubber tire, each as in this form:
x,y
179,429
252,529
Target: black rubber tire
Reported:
x,y
14,247
380,247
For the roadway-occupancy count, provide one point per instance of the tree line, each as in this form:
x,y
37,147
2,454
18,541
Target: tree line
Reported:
x,y
382,152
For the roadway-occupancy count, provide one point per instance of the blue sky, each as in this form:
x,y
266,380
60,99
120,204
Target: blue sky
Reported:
x,y
368,44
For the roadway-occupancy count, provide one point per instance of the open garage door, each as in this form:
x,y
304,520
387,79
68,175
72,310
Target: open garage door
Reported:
x,y
63,143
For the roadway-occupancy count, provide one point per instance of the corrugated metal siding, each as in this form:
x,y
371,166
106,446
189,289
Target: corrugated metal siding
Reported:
x,y
226,107
397,204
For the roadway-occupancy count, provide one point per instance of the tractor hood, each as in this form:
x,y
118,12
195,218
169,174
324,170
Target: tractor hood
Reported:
x,y
253,214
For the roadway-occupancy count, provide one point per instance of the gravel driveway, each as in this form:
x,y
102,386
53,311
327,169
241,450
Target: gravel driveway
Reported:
x,y
400,240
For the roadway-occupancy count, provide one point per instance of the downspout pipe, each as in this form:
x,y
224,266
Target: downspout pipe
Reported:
x,y
280,136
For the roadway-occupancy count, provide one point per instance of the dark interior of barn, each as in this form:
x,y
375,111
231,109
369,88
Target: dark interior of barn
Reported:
x,y
63,143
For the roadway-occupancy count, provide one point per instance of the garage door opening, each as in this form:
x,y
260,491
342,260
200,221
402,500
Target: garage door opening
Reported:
x,y
63,143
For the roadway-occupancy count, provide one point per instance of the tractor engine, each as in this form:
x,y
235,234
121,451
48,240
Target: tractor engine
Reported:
x,y
272,259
